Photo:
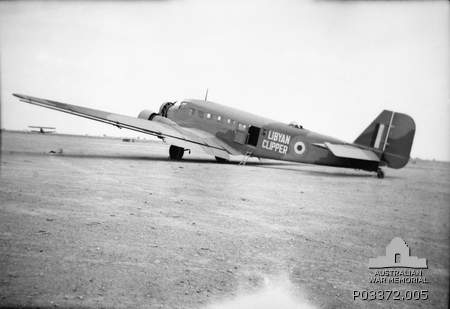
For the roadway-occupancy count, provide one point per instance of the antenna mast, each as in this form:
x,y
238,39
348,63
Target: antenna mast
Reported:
x,y
206,95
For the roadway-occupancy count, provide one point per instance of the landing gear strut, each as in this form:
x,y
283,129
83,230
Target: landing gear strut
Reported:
x,y
176,153
380,173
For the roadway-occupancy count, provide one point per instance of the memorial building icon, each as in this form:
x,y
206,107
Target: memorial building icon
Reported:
x,y
397,255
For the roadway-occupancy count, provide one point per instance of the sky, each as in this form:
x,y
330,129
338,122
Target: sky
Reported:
x,y
332,66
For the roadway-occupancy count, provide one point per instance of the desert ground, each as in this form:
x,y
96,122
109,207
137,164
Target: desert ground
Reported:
x,y
98,222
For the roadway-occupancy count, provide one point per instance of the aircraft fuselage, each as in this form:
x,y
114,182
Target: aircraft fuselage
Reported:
x,y
260,137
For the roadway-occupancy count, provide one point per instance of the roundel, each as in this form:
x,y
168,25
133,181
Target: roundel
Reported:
x,y
299,148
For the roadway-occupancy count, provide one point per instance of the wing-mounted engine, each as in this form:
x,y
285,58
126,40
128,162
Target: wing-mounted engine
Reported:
x,y
147,114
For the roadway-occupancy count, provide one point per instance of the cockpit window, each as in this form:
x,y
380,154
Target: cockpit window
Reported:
x,y
180,105
295,125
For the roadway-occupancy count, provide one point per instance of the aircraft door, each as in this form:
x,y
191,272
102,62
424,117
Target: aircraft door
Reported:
x,y
253,136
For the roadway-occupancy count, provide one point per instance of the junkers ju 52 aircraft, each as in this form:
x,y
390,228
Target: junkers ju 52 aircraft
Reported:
x,y
42,130
222,132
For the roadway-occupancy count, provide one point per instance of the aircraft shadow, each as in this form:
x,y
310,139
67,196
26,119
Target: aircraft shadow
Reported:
x,y
163,159
286,166
329,173
146,158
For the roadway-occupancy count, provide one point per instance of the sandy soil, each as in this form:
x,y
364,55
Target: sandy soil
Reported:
x,y
107,223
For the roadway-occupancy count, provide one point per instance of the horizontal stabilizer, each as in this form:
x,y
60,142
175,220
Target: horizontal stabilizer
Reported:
x,y
352,152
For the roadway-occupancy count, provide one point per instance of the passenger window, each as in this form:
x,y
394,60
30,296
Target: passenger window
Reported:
x,y
208,116
200,114
219,118
242,126
229,121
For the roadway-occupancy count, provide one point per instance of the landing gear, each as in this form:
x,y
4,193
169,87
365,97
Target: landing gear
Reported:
x,y
380,173
176,153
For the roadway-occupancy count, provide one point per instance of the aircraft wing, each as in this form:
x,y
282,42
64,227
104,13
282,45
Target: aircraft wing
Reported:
x,y
350,151
215,140
38,127
169,131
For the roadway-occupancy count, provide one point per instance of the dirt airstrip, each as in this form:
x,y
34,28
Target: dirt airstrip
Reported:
x,y
106,223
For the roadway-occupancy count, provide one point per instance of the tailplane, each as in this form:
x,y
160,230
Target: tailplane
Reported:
x,y
391,134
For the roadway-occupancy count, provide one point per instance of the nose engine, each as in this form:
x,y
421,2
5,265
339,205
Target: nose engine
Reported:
x,y
165,108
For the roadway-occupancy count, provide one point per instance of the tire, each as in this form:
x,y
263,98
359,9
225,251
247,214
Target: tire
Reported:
x,y
380,173
176,153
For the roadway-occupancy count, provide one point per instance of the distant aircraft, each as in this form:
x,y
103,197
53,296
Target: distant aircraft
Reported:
x,y
42,129
223,132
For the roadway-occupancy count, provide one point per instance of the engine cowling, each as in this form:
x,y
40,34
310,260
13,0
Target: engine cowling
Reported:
x,y
147,114
165,108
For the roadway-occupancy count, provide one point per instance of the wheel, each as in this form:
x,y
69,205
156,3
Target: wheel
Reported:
x,y
221,160
380,173
176,153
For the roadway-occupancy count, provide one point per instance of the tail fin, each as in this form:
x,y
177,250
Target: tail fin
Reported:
x,y
392,135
